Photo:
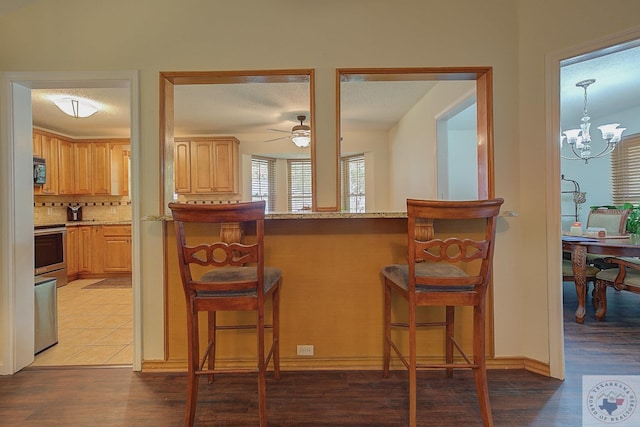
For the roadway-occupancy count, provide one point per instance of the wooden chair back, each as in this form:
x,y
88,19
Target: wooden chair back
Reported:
x,y
220,253
612,220
463,252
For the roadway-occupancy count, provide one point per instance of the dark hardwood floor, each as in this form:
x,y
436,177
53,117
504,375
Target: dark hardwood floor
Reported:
x,y
119,397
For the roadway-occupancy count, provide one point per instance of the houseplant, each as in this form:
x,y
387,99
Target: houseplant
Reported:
x,y
633,221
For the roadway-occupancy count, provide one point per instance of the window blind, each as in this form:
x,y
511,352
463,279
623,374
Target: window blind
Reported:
x,y
299,188
353,183
625,171
263,181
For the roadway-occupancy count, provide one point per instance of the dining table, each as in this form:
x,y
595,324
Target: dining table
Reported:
x,y
580,246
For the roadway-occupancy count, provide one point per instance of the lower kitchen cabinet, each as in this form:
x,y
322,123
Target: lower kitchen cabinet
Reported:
x,y
116,248
98,250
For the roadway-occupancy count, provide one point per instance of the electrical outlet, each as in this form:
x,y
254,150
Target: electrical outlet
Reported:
x,y
304,350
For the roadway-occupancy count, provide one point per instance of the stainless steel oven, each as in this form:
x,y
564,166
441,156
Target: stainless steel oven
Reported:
x,y
49,252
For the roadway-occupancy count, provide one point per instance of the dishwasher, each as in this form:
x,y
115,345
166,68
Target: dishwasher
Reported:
x,y
46,313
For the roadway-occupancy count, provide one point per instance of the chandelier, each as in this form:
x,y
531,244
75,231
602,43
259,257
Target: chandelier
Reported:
x,y
580,140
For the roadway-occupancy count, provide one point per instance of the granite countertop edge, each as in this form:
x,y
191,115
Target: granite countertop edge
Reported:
x,y
306,215
89,222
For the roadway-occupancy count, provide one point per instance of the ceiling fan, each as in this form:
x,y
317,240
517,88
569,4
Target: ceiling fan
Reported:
x,y
300,134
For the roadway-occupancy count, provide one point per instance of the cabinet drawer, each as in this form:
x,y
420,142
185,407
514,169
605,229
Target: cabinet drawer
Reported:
x,y
117,230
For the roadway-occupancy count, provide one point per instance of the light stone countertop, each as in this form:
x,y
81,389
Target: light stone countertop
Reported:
x,y
306,215
94,222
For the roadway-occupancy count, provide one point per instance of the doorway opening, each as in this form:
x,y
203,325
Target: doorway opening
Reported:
x,y
19,88
556,63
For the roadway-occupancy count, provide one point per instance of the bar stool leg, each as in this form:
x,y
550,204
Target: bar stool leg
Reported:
x,y
386,345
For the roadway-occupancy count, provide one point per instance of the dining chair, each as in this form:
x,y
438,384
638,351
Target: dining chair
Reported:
x,y
236,280
614,221
626,277
449,271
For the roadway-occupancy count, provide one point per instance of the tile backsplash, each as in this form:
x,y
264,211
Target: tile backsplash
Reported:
x,y
53,209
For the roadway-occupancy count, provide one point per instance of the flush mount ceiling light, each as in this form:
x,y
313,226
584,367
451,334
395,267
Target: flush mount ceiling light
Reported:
x,y
580,140
76,107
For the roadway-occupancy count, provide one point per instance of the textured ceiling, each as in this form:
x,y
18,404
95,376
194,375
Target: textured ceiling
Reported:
x,y
258,107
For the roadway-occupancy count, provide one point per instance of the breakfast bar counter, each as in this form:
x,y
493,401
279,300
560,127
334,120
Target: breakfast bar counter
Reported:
x,y
331,297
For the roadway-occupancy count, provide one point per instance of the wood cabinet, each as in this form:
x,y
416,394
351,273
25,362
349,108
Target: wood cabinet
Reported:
x,y
73,252
206,165
46,146
80,249
85,248
116,248
89,167
98,250
182,167
83,167
120,167
66,171
101,168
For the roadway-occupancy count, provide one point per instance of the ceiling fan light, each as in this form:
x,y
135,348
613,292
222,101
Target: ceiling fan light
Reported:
x,y
301,141
301,137
75,107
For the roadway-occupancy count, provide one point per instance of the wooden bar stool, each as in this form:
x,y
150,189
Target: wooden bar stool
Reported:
x,y
450,272
238,281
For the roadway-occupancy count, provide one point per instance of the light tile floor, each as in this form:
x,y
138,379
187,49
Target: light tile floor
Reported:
x,y
95,327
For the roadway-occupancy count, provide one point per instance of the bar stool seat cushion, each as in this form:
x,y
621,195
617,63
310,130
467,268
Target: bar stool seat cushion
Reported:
x,y
399,274
272,276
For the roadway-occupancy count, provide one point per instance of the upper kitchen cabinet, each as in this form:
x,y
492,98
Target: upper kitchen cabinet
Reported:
x,y
66,173
206,165
83,167
46,146
101,167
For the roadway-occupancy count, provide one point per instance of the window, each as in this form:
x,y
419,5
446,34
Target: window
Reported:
x,y
263,182
353,196
625,171
299,175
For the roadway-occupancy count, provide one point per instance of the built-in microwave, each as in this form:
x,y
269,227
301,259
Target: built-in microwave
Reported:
x,y
39,171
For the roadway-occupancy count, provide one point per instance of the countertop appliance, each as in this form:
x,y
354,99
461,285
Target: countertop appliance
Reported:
x,y
74,213
46,313
49,252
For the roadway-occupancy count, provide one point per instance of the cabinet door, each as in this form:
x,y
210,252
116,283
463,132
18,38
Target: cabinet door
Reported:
x,y
101,168
202,165
37,152
225,168
73,251
117,248
182,167
37,144
120,164
85,248
66,170
83,175
50,147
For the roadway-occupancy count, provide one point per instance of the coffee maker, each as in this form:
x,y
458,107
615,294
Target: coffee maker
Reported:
x,y
74,213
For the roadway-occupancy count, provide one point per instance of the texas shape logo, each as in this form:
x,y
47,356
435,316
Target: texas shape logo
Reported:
x,y
611,401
